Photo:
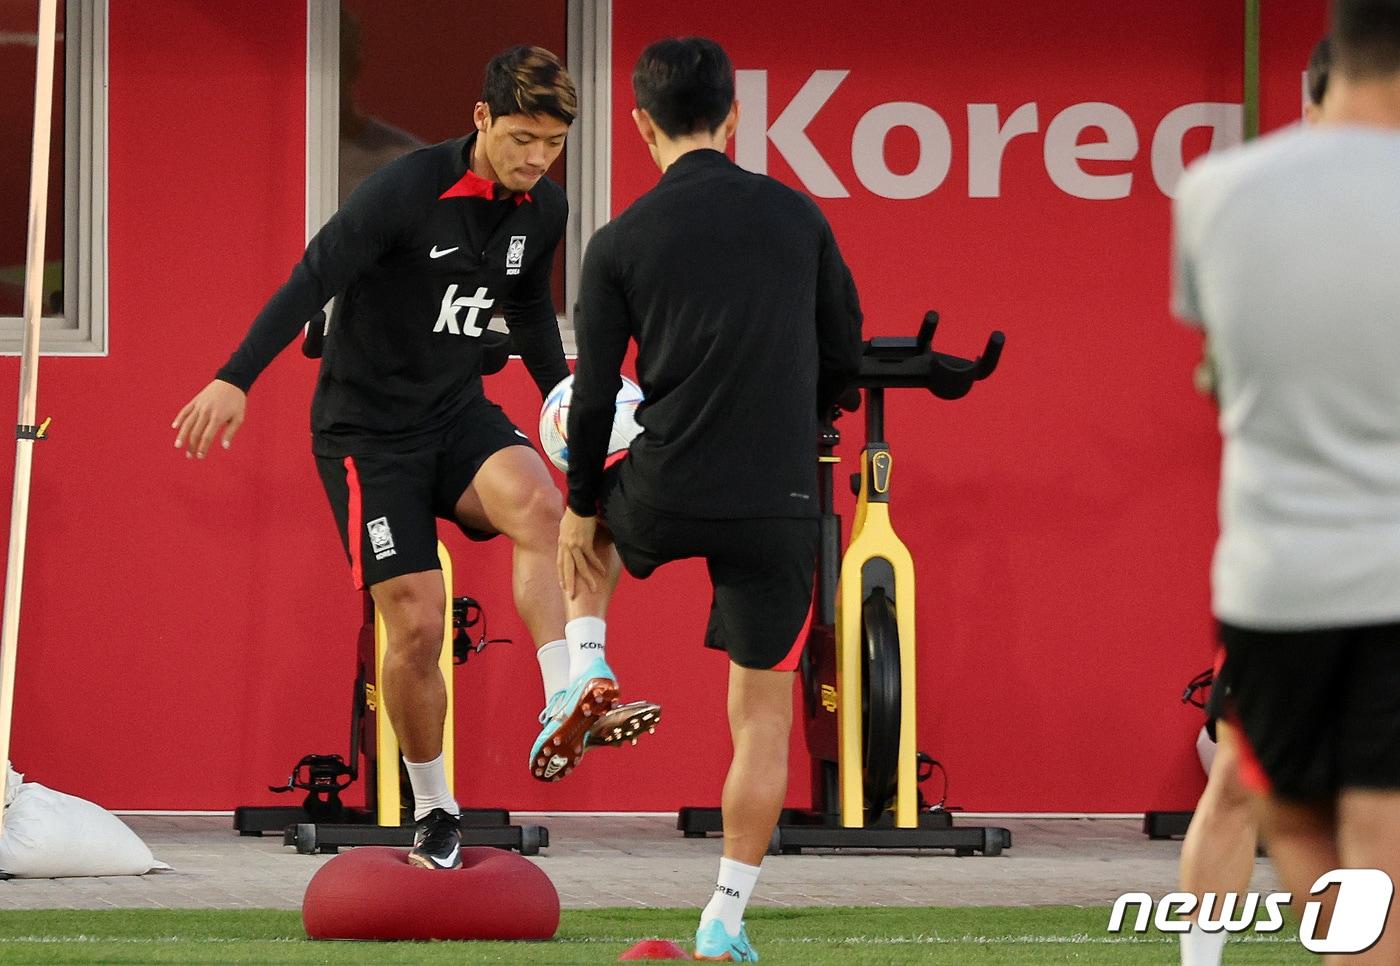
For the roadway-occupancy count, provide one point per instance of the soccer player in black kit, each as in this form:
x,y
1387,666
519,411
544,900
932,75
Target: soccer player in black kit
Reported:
x,y
420,256
747,327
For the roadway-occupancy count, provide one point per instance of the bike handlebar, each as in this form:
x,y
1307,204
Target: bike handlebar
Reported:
x,y
905,363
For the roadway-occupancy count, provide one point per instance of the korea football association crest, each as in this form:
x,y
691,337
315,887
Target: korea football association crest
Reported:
x,y
515,254
381,538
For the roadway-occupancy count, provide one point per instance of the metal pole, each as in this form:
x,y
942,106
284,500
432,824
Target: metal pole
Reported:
x,y
26,434
1251,69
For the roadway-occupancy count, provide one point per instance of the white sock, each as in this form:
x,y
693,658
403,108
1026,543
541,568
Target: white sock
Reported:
x,y
430,791
1201,948
554,667
732,891
586,636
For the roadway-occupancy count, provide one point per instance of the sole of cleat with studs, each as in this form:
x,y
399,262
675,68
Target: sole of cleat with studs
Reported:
x,y
627,730
561,753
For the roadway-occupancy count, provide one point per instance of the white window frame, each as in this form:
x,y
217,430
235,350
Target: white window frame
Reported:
x,y
82,329
589,59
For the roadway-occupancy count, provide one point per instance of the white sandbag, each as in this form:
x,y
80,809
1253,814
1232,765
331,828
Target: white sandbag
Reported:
x,y
49,835
13,780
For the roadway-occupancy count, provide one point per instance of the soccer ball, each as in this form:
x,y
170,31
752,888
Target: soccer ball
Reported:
x,y
554,422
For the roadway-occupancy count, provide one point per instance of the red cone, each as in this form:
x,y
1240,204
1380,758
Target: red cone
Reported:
x,y
655,949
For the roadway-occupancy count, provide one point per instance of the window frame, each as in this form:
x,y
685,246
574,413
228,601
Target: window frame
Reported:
x,y
82,329
588,182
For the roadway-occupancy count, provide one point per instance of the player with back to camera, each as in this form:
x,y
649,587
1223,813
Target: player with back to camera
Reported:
x,y
1217,855
747,327
1286,252
420,256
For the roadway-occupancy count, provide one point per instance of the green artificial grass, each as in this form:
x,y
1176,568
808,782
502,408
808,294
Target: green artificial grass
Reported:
x,y
809,936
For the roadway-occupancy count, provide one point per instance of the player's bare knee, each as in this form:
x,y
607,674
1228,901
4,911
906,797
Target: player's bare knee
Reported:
x,y
415,635
764,725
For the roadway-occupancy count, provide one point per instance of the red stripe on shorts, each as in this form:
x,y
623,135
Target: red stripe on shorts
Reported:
x,y
794,653
353,523
1251,771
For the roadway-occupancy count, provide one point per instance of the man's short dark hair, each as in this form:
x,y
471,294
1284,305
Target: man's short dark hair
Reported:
x,y
1319,66
1366,38
686,84
529,80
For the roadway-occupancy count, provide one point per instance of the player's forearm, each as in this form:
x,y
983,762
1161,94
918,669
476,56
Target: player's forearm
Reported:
x,y
838,338
274,328
590,428
592,407
541,349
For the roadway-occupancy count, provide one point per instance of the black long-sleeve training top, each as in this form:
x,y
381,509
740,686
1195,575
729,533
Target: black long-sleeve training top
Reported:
x,y
747,325
421,255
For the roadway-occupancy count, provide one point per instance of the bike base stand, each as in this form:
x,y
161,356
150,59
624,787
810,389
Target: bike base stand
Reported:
x,y
800,829
358,826
1166,825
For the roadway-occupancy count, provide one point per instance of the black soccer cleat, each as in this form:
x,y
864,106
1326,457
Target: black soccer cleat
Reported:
x,y
438,841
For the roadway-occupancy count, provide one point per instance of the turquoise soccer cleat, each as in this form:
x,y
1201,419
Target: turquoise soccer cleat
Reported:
x,y
713,943
568,718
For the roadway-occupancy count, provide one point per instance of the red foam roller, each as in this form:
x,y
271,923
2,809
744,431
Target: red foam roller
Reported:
x,y
373,893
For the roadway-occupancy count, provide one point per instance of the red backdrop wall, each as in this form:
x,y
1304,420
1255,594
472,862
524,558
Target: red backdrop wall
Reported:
x,y
1062,516
188,627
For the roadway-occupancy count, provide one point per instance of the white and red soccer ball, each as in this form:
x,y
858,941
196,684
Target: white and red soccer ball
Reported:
x,y
554,422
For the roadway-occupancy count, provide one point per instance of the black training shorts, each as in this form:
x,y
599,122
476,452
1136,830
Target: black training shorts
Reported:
x,y
1320,709
762,571
390,501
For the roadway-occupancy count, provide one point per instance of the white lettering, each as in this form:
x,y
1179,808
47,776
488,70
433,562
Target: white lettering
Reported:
x,y
1120,909
868,150
447,314
788,132
1064,153
1227,919
1173,910
1273,905
987,139
1358,917
1063,150
1226,122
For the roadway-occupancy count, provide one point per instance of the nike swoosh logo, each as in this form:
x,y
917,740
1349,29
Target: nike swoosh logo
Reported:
x,y
446,251
450,861
555,763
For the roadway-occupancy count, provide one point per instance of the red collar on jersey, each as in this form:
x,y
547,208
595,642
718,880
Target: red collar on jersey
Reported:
x,y
473,185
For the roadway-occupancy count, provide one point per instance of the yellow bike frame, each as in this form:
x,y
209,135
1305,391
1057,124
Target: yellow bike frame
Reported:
x,y
873,538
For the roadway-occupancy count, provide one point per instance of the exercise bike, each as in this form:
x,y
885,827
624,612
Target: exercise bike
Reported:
x,y
859,685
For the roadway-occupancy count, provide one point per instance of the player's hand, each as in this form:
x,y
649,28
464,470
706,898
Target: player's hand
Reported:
x,y
578,558
218,406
